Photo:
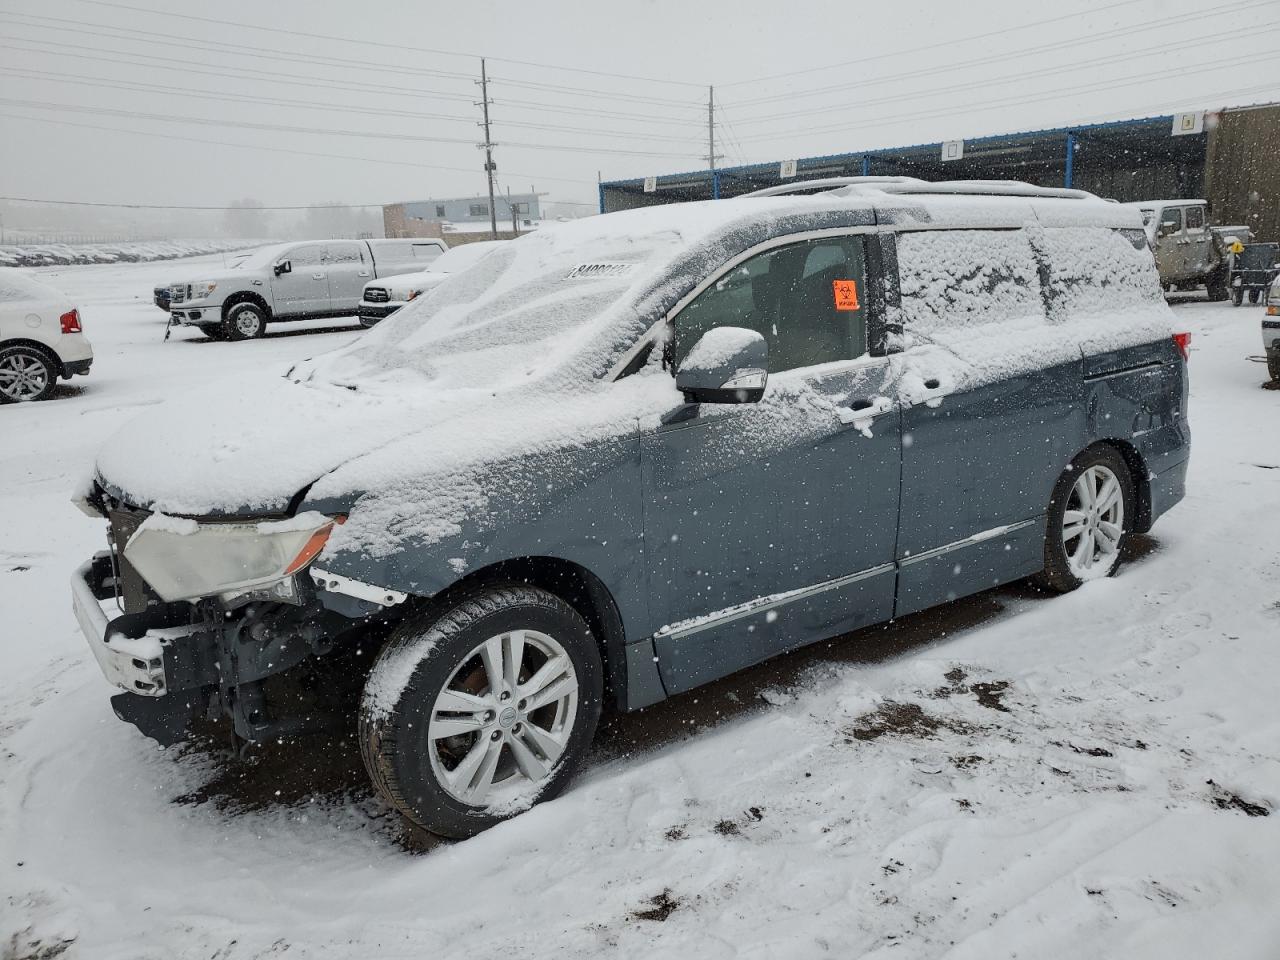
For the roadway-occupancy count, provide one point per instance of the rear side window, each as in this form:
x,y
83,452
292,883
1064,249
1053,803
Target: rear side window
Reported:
x,y
957,279
1195,218
343,253
1092,271
808,300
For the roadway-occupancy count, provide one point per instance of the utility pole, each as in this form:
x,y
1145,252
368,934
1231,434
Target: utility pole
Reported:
x,y
711,142
488,146
711,127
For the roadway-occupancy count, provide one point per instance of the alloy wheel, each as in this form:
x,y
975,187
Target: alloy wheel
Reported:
x,y
23,375
1093,523
503,719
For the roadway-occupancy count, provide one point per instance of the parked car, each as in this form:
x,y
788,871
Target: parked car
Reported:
x,y
1190,252
41,339
1271,332
293,281
626,455
381,298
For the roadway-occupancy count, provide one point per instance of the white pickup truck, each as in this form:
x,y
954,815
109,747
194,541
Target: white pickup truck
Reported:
x,y
292,281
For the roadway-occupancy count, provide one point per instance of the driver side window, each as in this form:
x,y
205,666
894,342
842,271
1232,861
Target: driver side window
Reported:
x,y
807,299
305,256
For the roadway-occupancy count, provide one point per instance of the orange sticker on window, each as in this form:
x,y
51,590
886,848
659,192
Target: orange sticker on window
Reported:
x,y
846,294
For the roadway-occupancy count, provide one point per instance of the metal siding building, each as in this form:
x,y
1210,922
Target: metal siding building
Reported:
x,y
1231,161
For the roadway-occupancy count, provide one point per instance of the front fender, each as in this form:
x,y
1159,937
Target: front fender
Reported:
x,y
422,535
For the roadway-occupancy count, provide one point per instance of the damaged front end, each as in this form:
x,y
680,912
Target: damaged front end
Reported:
x,y
211,611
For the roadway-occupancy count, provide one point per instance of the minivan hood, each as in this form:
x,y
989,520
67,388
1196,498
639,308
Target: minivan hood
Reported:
x,y
215,453
249,447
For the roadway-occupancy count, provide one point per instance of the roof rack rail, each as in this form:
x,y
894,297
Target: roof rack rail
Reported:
x,y
985,188
916,186
825,184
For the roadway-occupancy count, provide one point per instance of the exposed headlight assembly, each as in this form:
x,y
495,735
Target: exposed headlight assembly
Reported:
x,y
184,560
202,289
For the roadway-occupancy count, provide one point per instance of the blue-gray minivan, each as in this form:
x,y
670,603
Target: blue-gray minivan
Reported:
x,y
627,455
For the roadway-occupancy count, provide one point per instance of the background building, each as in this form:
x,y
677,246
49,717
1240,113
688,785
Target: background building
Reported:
x,y
462,218
1228,158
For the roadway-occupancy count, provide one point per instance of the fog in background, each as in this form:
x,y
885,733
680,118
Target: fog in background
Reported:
x,y
296,104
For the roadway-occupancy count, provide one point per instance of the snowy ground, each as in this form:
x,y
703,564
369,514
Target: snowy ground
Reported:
x,y
1013,775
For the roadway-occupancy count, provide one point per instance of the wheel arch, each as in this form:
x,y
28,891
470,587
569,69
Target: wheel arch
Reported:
x,y
1140,475
42,348
576,586
246,296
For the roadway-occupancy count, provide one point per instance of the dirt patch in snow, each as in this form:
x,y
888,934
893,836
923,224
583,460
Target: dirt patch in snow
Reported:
x,y
1225,799
902,720
658,908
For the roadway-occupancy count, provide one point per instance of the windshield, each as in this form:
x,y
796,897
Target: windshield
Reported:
x,y
457,259
263,257
556,306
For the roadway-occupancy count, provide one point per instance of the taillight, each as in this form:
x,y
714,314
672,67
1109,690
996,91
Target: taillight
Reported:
x,y
1183,341
70,321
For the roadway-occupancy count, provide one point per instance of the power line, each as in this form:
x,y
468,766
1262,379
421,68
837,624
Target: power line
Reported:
x,y
947,44
83,52
1073,67
322,131
263,53
282,150
1008,101
389,46
105,82
897,77
166,206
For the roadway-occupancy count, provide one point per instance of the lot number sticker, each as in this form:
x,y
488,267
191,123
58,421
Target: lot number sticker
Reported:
x,y
846,294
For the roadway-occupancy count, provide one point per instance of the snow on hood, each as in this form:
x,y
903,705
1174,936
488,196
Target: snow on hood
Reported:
x,y
215,451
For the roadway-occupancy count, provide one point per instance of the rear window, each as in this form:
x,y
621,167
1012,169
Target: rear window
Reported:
x,y
1093,271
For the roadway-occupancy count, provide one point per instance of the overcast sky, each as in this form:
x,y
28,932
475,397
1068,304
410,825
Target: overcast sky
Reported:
x,y
855,75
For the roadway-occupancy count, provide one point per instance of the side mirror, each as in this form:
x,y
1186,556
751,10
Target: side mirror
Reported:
x,y
726,365
283,266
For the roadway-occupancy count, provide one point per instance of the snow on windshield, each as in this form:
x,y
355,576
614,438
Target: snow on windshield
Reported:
x,y
457,259
555,306
263,258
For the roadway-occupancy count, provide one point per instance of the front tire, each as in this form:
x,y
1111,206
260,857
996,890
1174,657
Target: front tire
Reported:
x,y
244,321
1089,519
472,714
26,374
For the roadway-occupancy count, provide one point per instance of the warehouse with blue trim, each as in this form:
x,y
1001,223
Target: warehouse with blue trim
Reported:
x,y
1227,157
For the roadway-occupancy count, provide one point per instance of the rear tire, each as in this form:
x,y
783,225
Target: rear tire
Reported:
x,y
244,321
27,374
473,713
1089,519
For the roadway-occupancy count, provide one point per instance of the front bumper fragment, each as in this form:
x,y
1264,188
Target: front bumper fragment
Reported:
x,y
151,653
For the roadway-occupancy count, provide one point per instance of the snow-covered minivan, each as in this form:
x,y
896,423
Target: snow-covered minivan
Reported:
x,y
624,456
